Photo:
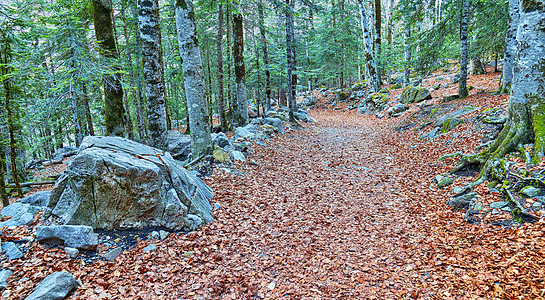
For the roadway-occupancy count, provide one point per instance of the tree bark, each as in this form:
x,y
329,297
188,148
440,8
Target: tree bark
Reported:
x,y
290,58
378,36
408,54
75,118
262,32
240,114
3,193
219,61
370,62
113,92
154,82
201,142
464,20
88,117
510,46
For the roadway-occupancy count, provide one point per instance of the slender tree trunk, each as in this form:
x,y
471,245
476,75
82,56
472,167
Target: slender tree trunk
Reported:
x,y
219,61
265,55
408,54
510,45
88,116
290,53
3,193
241,107
378,38
464,20
152,56
75,118
140,104
371,66
209,90
230,104
201,142
113,92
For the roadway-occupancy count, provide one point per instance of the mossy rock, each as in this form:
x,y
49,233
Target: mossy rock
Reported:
x,y
341,96
413,94
450,123
220,155
530,191
443,181
436,86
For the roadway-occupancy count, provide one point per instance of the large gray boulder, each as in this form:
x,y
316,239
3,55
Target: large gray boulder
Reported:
x,y
116,183
37,199
20,213
73,236
58,285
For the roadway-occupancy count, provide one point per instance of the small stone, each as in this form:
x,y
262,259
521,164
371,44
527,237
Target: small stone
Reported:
x,y
150,247
12,251
506,208
4,275
271,285
536,205
112,254
478,206
163,234
188,254
155,235
530,191
498,204
495,211
237,155
72,251
216,206
443,181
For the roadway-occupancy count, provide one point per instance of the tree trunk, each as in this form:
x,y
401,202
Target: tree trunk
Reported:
x,y
5,76
378,34
221,98
88,117
152,56
75,118
201,142
526,123
262,32
464,20
370,62
140,106
407,38
510,46
3,193
230,104
113,92
241,108
290,58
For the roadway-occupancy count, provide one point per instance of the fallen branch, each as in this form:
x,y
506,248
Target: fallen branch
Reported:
x,y
12,186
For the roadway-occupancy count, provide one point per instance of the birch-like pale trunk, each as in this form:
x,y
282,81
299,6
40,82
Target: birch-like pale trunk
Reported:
x,y
370,62
201,142
408,54
240,113
154,82
510,46
219,61
113,91
464,20
75,118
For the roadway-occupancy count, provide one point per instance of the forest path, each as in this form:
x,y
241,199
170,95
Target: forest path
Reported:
x,y
328,212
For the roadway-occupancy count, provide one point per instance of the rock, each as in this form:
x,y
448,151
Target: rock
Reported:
x,y
221,140
302,116
431,134
395,110
498,204
376,102
73,252
413,94
113,254
495,120
57,285
455,78
178,144
237,155
436,86
448,124
341,96
463,202
530,191
445,85
276,123
4,275
309,101
37,199
15,210
220,155
150,247
12,251
416,82
20,213
73,236
439,78
448,98
443,181
536,205
163,234
155,235
247,132
116,183
478,206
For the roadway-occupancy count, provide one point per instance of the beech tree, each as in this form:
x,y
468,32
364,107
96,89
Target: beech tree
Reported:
x,y
201,142
464,20
369,59
290,55
240,112
510,45
113,91
152,56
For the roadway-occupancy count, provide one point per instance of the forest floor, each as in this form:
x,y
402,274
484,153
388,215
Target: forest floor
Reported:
x,y
345,208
